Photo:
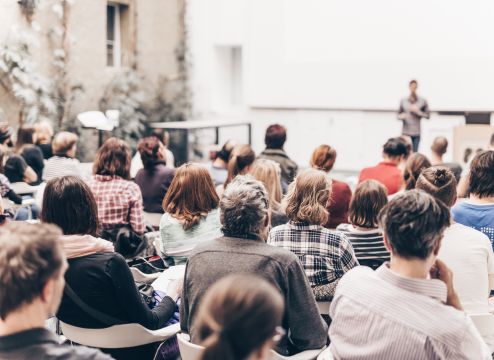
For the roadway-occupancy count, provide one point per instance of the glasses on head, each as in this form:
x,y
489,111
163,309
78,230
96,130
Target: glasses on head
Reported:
x,y
279,333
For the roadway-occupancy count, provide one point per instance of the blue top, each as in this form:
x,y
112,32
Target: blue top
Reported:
x,y
477,216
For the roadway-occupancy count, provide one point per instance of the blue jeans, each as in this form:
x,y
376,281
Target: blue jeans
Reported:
x,y
415,142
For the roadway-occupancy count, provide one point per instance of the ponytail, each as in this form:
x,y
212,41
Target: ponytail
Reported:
x,y
233,169
241,157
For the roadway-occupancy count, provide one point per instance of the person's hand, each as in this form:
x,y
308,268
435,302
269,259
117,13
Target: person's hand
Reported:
x,y
402,116
174,289
414,108
441,272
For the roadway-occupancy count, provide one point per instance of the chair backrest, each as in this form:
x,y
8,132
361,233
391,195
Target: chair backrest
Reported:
x,y
188,351
117,336
326,355
484,323
323,307
153,219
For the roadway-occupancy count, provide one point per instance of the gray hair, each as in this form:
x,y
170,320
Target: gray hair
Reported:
x,y
244,207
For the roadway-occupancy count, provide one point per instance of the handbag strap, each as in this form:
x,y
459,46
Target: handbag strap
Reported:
x,y
96,314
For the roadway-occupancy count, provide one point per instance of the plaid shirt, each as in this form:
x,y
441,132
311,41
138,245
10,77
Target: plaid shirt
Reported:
x,y
325,254
119,202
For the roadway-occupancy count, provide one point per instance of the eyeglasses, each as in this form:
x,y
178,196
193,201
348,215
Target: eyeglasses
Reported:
x,y
279,333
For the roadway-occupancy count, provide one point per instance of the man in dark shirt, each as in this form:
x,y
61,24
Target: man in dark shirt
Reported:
x,y
32,267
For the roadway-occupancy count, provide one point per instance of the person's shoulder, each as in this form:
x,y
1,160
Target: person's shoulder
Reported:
x,y
356,275
83,353
464,231
344,228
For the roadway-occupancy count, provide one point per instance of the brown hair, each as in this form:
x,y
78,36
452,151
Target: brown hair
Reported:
x,y
367,201
69,203
30,255
440,183
241,157
482,174
414,166
307,197
149,149
237,316
275,136
323,158
25,136
191,195
269,173
113,158
440,145
63,142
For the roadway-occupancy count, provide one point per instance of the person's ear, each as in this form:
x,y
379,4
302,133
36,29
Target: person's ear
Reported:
x,y
438,246
48,291
386,243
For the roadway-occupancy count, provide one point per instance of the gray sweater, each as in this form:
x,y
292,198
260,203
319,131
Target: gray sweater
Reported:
x,y
213,260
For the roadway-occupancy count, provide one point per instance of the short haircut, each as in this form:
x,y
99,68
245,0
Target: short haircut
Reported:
x,y
413,81
30,255
440,182
395,147
416,163
275,136
367,201
482,174
191,195
323,158
63,142
244,207
414,222
440,145
149,148
307,197
69,203
113,159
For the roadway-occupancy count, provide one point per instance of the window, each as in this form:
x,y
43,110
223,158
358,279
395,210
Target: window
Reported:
x,y
113,57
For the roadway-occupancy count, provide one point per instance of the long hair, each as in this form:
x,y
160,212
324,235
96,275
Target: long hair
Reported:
x,y
191,195
25,136
113,158
269,173
241,157
237,316
149,149
414,166
307,197
367,201
323,158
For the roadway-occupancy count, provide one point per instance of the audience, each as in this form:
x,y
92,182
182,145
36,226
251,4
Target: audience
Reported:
x,y
63,161
244,210
191,212
155,177
467,252
415,164
408,308
44,135
136,163
33,156
32,267
240,163
240,318
439,147
387,171
478,210
268,172
97,276
325,254
363,231
15,167
275,140
323,158
119,199
219,167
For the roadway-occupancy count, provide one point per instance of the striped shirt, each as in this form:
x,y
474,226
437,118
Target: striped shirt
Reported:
x,y
381,315
58,166
368,245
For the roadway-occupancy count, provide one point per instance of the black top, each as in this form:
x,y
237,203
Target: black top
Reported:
x,y
40,343
104,282
154,184
14,168
46,150
34,158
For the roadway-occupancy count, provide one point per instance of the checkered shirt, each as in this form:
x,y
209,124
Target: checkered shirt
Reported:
x,y
119,202
325,254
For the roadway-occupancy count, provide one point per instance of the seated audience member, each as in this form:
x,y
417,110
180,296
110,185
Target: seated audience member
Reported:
x,y
478,210
467,251
415,164
32,154
240,319
325,254
15,167
119,199
363,231
136,163
275,140
191,211
219,167
387,171
268,172
439,147
97,275
323,158
63,161
44,134
240,163
408,308
155,177
32,267
244,212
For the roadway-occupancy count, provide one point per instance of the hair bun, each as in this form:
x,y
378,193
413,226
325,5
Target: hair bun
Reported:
x,y
440,176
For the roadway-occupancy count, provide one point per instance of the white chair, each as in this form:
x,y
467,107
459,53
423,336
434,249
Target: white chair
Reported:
x,y
326,355
153,219
141,277
118,336
484,323
189,351
22,188
323,307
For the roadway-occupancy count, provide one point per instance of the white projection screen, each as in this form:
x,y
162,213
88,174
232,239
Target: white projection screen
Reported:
x,y
361,54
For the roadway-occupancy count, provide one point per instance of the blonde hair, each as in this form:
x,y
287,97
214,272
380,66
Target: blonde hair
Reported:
x,y
63,142
44,132
307,197
241,157
269,173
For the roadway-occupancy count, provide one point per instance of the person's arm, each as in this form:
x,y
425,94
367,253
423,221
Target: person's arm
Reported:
x,y
131,300
424,111
402,115
30,175
136,213
440,271
12,196
184,306
306,327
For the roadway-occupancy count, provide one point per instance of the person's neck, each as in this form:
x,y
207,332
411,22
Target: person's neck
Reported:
x,y
29,317
409,268
391,160
436,159
478,200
